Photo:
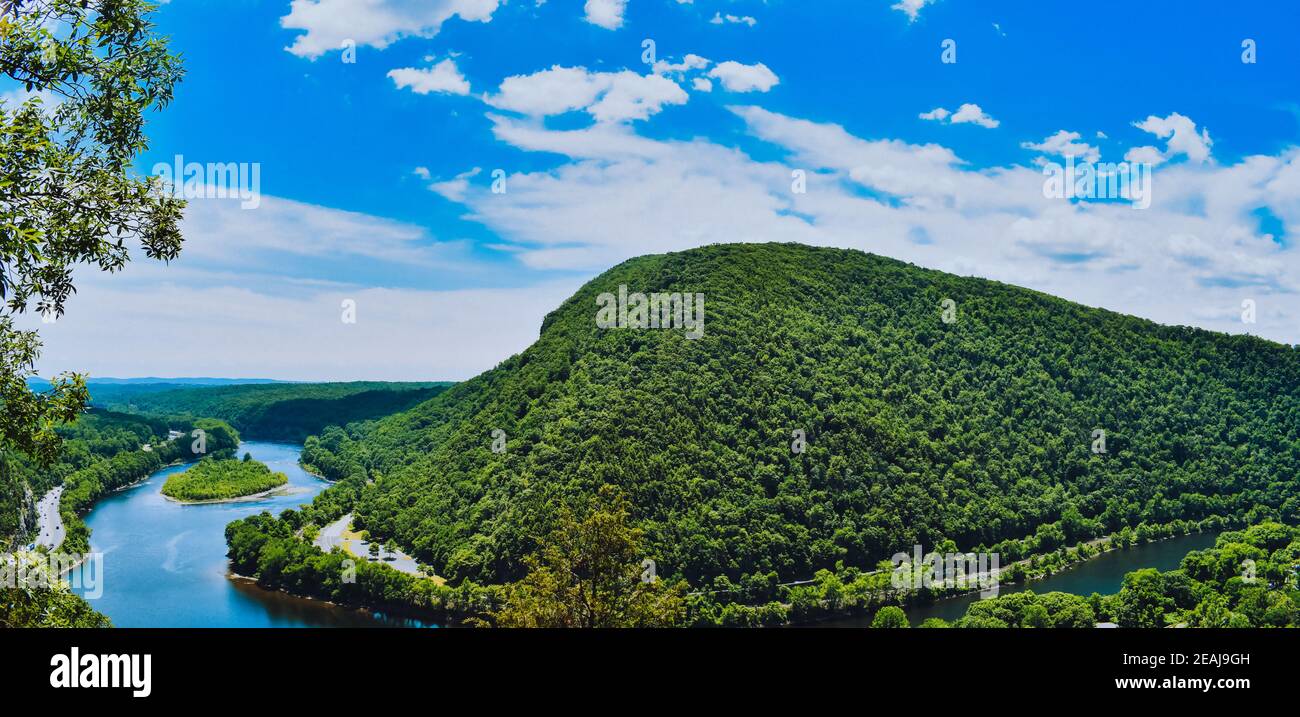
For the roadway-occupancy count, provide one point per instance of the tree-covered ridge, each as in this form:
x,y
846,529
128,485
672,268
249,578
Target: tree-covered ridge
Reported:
x,y
217,479
273,411
918,431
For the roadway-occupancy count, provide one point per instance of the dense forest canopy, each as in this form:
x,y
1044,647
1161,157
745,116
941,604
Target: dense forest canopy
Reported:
x,y
272,411
919,430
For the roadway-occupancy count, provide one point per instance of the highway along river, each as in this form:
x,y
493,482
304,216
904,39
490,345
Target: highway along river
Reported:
x,y
165,563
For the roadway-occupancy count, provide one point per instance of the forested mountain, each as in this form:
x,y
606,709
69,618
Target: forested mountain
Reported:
x,y
272,411
918,430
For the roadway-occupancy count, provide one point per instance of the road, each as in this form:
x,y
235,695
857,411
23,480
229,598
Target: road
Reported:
x,y
49,524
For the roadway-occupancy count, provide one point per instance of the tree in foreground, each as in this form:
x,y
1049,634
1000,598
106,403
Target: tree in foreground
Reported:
x,y
890,616
588,573
90,70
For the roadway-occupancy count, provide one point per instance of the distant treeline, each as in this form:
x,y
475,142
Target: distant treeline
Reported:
x,y
272,412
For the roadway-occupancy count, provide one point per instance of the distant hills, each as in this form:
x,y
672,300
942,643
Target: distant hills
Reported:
x,y
150,384
277,411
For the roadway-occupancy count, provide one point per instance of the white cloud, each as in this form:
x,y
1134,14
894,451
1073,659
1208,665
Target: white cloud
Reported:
x,y
973,114
967,113
737,77
328,24
606,13
606,96
690,62
443,77
702,84
1180,133
911,7
1144,155
1065,144
1195,247
247,279
719,19
456,188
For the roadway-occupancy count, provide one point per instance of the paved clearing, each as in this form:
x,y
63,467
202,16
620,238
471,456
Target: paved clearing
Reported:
x,y
340,534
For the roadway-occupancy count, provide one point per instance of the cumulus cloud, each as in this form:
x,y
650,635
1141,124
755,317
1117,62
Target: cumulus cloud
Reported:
x,y
690,62
1196,246
971,113
966,114
605,13
1180,135
443,77
912,8
1065,144
737,77
328,24
606,96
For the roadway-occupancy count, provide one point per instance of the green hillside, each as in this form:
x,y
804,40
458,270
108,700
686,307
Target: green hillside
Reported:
x,y
273,411
978,431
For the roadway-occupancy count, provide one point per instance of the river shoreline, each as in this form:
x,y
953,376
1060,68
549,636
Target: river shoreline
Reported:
x,y
917,612
167,564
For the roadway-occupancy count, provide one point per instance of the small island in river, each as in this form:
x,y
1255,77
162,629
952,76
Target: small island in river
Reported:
x,y
214,480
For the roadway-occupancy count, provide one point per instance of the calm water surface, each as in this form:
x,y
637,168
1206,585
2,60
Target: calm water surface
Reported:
x,y
165,563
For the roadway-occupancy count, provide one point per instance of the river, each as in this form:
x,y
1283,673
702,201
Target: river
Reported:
x,y
1103,574
165,563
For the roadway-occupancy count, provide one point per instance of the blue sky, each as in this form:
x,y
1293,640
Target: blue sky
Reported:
x,y
377,173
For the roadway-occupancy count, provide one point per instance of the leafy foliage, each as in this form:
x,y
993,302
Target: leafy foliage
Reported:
x,y
588,573
92,70
215,479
